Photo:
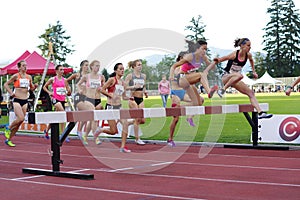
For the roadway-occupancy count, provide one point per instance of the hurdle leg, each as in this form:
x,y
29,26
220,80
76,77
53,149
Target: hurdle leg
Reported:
x,y
254,125
66,132
255,128
56,161
253,122
55,147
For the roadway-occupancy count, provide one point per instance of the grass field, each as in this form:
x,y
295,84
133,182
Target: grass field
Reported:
x,y
222,128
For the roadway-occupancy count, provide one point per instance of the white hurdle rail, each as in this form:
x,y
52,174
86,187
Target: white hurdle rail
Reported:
x,y
76,116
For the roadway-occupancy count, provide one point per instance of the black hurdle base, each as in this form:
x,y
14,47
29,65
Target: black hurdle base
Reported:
x,y
56,143
57,173
254,125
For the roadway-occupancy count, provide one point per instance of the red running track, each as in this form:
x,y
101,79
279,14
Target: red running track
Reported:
x,y
149,172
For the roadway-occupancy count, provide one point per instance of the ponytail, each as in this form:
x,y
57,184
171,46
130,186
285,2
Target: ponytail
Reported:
x,y
240,41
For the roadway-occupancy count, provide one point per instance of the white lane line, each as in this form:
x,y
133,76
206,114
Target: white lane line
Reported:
x,y
238,166
179,163
164,163
221,180
139,167
165,152
79,170
121,169
106,190
26,177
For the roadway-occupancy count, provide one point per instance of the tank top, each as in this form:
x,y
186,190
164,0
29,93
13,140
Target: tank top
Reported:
x,y
116,88
93,83
22,82
191,66
137,81
236,65
59,89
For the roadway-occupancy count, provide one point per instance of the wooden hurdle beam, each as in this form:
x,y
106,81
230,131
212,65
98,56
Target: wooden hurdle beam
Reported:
x,y
54,118
76,116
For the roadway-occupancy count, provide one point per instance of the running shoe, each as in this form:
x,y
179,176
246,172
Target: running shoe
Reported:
x,y
46,134
212,91
98,141
264,115
84,140
9,143
221,92
125,150
7,133
171,143
190,121
68,140
140,142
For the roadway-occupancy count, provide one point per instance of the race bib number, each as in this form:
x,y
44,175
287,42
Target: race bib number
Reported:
x,y
140,82
24,83
119,90
95,83
60,91
235,68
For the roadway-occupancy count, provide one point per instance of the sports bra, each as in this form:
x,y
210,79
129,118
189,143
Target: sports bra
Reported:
x,y
22,82
137,81
93,83
188,66
236,64
116,88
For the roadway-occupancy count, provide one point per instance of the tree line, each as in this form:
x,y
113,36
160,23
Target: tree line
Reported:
x,y
281,43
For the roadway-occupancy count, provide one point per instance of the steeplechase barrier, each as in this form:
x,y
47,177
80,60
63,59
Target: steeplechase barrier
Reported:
x,y
54,118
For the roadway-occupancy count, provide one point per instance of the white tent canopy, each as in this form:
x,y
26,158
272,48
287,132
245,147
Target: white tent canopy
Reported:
x,y
266,78
247,80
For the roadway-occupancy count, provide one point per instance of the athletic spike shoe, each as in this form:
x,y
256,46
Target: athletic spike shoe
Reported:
x,y
84,140
7,133
98,141
125,150
140,142
212,91
264,115
67,140
46,134
9,143
221,92
190,121
171,143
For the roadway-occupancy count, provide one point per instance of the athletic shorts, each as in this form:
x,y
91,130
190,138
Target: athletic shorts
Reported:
x,y
179,93
78,98
138,100
22,102
55,101
95,102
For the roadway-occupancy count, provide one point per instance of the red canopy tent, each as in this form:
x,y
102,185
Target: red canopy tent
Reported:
x,y
3,70
35,65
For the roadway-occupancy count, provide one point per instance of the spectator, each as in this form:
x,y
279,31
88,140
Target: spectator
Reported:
x,y
164,90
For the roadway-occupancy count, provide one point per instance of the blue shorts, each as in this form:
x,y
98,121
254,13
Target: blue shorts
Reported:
x,y
179,93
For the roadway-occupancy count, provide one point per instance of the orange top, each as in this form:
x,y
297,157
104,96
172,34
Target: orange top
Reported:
x,y
22,82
